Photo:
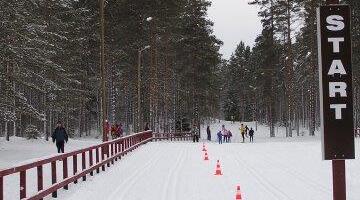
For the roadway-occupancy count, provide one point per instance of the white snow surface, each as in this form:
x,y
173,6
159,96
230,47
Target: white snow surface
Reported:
x,y
268,169
20,150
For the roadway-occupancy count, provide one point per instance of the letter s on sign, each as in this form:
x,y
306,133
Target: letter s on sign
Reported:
x,y
335,23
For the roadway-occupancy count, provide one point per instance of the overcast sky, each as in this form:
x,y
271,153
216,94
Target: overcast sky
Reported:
x,y
235,21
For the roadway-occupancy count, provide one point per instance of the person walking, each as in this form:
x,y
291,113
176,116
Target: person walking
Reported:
x,y
246,130
251,134
229,136
147,127
242,131
208,132
60,137
224,132
219,135
195,132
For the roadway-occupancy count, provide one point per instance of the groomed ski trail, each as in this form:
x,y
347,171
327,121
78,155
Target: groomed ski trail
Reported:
x,y
177,171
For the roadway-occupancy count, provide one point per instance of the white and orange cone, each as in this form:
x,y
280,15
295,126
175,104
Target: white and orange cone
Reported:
x,y
238,193
204,149
218,169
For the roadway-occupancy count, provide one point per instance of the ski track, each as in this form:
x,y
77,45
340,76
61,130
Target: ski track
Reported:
x,y
266,184
172,178
131,180
176,171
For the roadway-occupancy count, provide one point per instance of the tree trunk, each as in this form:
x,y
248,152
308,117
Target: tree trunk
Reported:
x,y
7,131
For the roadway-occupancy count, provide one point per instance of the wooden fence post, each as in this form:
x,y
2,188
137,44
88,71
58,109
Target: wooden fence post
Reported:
x,y
112,152
23,184
116,149
108,153
91,161
1,188
102,158
53,177
83,164
75,166
65,171
97,159
40,180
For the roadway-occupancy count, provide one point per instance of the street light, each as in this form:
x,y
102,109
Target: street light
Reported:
x,y
139,84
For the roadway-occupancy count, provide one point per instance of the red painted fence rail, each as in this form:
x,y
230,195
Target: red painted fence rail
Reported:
x,y
172,136
93,159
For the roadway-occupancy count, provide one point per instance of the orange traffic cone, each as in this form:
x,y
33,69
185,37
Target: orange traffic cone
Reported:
x,y
206,156
238,193
218,169
204,149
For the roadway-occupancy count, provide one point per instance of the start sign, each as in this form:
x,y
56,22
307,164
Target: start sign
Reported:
x,y
335,73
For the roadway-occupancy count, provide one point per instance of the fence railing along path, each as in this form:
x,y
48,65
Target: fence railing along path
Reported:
x,y
93,159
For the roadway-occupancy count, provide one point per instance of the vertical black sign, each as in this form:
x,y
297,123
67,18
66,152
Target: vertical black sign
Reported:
x,y
335,73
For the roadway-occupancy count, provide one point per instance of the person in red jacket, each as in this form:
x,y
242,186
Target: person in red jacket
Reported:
x,y
114,131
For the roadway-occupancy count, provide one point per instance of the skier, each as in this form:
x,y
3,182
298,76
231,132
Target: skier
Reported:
x,y
208,133
229,136
251,134
246,130
219,135
242,131
224,133
195,133
60,137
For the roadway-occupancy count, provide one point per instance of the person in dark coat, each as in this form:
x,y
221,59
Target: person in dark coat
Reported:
x,y
208,133
219,135
251,134
60,137
229,136
147,127
195,133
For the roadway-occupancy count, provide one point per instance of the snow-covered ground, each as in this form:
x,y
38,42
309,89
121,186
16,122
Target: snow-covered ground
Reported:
x,y
19,150
269,169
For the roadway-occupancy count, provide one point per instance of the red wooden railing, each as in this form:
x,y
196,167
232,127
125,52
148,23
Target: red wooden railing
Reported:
x,y
105,155
172,136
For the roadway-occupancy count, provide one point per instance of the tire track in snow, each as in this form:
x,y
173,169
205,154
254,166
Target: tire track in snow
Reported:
x,y
172,178
132,179
266,184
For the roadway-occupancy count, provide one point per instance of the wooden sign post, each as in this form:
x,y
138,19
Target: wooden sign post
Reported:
x,y
336,99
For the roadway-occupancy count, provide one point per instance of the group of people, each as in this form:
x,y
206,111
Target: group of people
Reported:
x,y
225,135
245,131
116,131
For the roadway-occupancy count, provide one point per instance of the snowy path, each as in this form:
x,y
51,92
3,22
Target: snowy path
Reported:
x,y
280,170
